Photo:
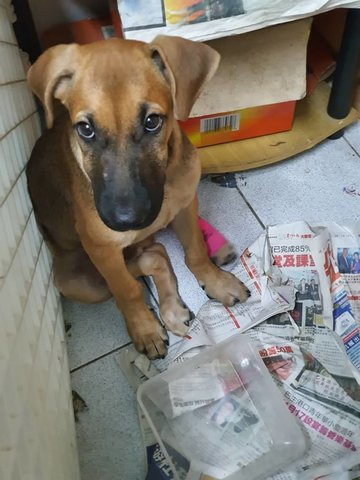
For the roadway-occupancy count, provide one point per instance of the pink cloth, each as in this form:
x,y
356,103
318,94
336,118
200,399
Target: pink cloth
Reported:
x,y
213,238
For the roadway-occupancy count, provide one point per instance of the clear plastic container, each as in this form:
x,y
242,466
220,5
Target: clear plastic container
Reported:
x,y
220,415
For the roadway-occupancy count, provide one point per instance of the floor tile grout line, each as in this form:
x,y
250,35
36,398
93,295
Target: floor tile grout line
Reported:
x,y
114,350
352,148
100,357
250,207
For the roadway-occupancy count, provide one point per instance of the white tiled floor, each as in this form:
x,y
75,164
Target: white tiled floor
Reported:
x,y
309,186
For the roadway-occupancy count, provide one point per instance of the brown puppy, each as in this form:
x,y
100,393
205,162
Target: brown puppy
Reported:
x,y
115,169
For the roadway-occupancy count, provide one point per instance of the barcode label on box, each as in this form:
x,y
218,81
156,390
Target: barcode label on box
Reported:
x,y
223,122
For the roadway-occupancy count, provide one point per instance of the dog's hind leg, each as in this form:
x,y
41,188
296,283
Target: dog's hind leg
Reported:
x,y
153,261
77,279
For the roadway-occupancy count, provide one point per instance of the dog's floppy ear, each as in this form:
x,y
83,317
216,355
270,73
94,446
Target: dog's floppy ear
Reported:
x,y
187,65
51,75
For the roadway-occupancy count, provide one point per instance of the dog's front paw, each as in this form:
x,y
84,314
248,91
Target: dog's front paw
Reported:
x,y
176,316
150,338
226,288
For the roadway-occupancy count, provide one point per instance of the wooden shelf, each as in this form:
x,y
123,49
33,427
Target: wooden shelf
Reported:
x,y
311,126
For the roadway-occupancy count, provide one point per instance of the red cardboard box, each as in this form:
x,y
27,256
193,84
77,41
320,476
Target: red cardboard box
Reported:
x,y
83,31
240,124
86,30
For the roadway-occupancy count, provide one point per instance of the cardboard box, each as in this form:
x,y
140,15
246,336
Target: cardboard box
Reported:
x,y
83,31
320,60
115,18
260,77
240,124
330,26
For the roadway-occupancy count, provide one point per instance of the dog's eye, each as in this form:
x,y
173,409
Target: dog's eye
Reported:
x,y
85,131
153,123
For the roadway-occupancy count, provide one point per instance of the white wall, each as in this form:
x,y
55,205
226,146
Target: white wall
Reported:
x,y
37,432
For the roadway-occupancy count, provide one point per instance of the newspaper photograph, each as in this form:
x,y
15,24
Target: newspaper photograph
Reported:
x,y
208,19
304,317
223,436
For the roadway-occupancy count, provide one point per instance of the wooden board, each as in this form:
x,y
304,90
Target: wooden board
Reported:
x,y
312,125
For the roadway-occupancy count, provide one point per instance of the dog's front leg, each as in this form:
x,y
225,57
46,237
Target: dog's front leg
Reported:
x,y
147,333
218,284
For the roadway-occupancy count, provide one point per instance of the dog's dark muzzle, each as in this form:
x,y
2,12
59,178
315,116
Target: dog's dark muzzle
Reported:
x,y
128,209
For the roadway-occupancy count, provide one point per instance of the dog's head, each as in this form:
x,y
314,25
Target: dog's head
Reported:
x,y
123,98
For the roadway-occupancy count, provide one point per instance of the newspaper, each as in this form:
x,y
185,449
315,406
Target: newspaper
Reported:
x,y
329,415
346,250
311,347
271,293
208,19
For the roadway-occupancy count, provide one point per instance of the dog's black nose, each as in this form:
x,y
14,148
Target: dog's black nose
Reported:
x,y
124,219
122,216
133,205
